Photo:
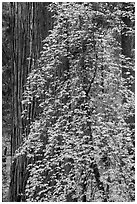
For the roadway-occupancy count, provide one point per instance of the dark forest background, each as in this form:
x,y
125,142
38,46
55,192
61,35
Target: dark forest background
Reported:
x,y
68,86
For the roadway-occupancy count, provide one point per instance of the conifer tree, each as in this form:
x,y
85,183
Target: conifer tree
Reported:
x,y
81,145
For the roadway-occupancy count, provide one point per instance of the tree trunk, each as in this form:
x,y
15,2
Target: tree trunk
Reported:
x,y
28,31
28,24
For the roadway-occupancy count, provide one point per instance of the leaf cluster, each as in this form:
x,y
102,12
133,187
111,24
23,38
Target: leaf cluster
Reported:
x,y
81,145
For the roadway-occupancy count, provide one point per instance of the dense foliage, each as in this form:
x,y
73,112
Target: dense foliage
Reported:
x,y
81,147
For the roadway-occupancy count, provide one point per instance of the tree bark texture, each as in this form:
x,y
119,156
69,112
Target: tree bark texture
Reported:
x,y
30,23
